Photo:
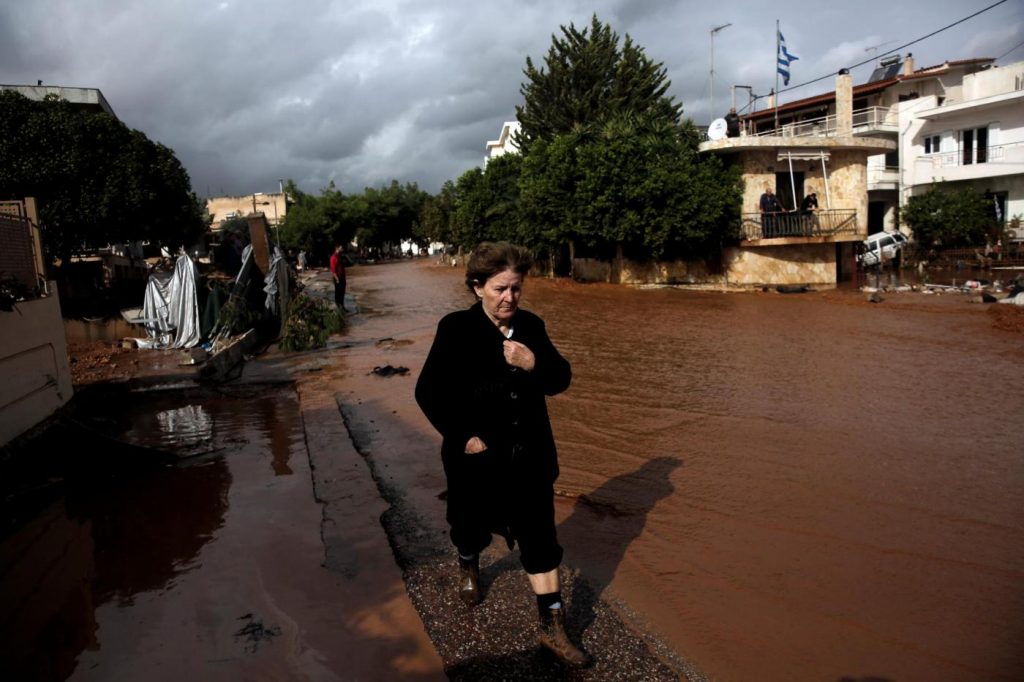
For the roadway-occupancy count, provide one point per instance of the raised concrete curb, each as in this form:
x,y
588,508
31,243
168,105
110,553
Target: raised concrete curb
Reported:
x,y
355,544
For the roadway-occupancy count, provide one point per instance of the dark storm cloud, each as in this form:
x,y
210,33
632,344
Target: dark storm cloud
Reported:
x,y
360,92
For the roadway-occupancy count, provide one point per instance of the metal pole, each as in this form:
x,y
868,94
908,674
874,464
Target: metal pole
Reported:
x,y
792,183
711,112
776,102
713,32
824,173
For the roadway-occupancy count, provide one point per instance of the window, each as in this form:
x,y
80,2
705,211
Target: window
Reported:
x,y
931,144
974,145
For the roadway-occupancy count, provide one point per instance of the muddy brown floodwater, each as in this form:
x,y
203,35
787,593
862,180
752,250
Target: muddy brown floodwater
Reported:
x,y
779,487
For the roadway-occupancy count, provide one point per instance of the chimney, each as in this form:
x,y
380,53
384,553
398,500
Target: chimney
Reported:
x,y
844,103
908,65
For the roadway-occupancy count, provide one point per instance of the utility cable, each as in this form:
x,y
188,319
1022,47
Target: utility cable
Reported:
x,y
897,49
1010,50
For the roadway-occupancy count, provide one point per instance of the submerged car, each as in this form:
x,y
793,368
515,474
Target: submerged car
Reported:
x,y
888,244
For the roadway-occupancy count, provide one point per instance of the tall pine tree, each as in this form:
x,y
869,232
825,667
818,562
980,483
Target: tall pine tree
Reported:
x,y
587,81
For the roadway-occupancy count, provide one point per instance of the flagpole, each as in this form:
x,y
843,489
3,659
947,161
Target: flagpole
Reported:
x,y
776,102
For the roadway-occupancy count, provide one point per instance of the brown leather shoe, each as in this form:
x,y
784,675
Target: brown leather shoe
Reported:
x,y
469,581
554,638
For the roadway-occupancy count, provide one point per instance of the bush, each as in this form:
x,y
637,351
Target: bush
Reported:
x,y
948,218
310,322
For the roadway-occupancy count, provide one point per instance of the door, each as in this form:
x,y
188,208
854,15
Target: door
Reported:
x,y
785,184
967,147
876,216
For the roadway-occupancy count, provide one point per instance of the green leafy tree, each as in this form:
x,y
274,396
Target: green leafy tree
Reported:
x,y
391,214
632,183
500,190
607,166
96,180
587,79
316,223
548,201
470,209
948,218
485,203
435,223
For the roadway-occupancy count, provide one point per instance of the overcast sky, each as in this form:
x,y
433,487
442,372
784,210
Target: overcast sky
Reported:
x,y
247,92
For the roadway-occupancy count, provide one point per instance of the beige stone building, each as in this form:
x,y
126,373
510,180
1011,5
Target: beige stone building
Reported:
x,y
788,246
272,205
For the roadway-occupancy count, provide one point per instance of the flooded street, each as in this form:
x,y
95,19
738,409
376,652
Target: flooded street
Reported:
x,y
773,487
212,569
781,487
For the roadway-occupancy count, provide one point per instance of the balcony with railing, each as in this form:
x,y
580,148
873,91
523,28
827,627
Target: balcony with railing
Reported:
x,y
869,121
969,163
823,225
883,177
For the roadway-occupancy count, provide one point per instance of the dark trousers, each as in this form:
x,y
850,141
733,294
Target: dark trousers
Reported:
x,y
486,497
339,293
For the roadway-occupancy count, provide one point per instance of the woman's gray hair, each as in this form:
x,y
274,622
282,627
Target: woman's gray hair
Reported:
x,y
490,258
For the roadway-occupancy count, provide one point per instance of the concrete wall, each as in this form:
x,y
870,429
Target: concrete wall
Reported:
x,y
33,364
1005,78
630,272
744,267
772,265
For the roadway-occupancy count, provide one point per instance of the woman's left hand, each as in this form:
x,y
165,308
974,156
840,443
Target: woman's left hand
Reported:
x,y
518,355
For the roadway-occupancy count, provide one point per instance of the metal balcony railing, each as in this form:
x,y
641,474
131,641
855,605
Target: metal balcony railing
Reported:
x,y
824,223
883,174
869,119
961,157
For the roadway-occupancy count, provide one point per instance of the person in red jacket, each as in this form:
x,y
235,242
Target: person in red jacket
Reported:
x,y
338,272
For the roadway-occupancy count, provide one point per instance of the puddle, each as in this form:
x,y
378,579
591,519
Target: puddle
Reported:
x,y
114,539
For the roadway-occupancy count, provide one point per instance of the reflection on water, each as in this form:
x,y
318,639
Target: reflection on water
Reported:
x,y
117,534
186,427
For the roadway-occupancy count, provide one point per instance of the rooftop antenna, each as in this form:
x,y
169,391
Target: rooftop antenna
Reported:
x,y
875,47
714,30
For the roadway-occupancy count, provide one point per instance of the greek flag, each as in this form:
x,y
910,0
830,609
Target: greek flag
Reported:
x,y
785,58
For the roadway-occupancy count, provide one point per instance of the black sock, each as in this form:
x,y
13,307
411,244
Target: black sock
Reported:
x,y
547,602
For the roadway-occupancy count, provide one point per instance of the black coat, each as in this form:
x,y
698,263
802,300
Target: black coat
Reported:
x,y
467,389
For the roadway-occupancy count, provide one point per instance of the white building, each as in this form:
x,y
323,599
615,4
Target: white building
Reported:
x,y
505,143
975,139
960,121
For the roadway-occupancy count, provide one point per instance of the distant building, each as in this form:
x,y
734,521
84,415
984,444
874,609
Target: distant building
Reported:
x,y
959,121
975,139
273,206
786,246
868,149
505,144
87,98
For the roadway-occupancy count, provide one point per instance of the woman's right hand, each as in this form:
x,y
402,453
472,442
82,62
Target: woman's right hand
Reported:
x,y
474,445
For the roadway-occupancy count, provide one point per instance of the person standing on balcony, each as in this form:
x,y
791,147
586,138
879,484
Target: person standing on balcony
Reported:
x,y
338,273
770,208
809,211
732,123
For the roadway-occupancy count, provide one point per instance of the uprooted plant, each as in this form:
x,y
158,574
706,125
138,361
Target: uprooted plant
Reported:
x,y
310,322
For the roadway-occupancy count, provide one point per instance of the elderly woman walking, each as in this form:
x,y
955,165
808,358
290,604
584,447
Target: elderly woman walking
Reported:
x,y
483,387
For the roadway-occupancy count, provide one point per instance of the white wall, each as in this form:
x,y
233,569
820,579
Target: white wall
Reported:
x,y
33,364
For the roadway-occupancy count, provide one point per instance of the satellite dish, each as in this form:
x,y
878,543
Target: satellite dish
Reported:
x,y
716,131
